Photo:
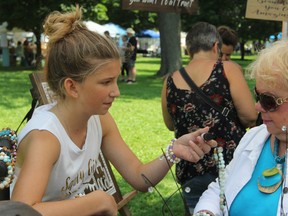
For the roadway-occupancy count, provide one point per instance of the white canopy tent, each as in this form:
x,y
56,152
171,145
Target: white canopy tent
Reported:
x,y
93,26
114,30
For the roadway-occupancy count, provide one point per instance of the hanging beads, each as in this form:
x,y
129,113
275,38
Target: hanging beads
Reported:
x,y
218,156
8,156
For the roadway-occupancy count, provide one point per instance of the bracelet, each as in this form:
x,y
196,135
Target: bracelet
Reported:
x,y
170,154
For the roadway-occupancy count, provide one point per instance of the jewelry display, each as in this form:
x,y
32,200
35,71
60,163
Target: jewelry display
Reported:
x,y
218,156
7,156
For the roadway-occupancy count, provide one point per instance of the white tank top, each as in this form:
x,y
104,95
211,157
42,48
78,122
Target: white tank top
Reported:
x,y
74,172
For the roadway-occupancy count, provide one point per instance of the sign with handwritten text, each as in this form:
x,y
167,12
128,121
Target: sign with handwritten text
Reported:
x,y
267,9
178,6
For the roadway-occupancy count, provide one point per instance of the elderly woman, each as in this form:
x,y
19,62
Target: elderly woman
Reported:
x,y
255,181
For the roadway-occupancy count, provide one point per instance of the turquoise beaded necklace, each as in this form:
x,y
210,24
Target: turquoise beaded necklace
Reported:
x,y
279,160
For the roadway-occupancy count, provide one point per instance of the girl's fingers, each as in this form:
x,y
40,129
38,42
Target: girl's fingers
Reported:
x,y
196,150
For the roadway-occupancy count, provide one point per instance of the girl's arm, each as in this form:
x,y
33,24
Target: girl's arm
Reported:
x,y
190,147
38,152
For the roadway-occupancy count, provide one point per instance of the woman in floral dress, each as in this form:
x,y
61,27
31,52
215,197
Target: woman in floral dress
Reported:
x,y
185,111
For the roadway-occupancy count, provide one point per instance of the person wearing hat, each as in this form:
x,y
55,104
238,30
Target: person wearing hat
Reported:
x,y
133,48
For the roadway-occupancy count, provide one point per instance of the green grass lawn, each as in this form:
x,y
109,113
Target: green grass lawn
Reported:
x,y
138,115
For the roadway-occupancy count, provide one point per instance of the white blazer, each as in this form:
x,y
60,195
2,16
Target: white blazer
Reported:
x,y
239,172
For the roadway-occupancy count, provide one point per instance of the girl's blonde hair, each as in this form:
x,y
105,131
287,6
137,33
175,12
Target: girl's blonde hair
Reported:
x,y
73,51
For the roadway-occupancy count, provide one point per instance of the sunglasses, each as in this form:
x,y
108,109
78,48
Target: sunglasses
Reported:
x,y
269,102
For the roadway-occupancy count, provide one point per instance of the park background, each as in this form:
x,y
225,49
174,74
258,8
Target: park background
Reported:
x,y
138,110
169,17
138,115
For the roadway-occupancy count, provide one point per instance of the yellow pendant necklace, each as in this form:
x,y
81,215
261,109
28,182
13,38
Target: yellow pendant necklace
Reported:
x,y
272,178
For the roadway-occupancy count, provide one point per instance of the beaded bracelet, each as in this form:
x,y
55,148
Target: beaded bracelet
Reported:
x,y
8,156
170,154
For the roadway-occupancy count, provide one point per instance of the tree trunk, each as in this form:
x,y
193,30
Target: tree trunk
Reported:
x,y
242,50
169,27
38,56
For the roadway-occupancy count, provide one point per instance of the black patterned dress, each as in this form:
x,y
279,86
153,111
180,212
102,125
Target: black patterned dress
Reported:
x,y
189,112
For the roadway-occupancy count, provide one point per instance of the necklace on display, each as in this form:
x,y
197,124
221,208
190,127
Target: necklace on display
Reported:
x,y
272,178
218,156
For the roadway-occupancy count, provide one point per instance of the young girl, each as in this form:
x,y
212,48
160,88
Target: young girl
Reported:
x,y
62,140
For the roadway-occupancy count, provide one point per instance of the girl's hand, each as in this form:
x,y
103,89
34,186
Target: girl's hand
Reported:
x,y
103,203
192,146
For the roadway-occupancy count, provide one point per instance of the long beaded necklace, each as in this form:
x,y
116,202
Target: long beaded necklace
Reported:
x,y
218,156
272,178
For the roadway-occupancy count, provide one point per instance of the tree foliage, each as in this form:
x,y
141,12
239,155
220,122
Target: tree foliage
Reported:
x,y
30,14
232,14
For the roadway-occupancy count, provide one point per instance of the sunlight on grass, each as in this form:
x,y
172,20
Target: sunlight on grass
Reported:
x,y
15,97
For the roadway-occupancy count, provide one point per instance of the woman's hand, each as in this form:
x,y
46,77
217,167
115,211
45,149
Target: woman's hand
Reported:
x,y
192,146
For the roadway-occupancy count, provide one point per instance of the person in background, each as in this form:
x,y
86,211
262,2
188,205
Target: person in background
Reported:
x,y
28,53
12,53
229,42
107,34
185,111
20,53
59,146
125,55
132,41
255,181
